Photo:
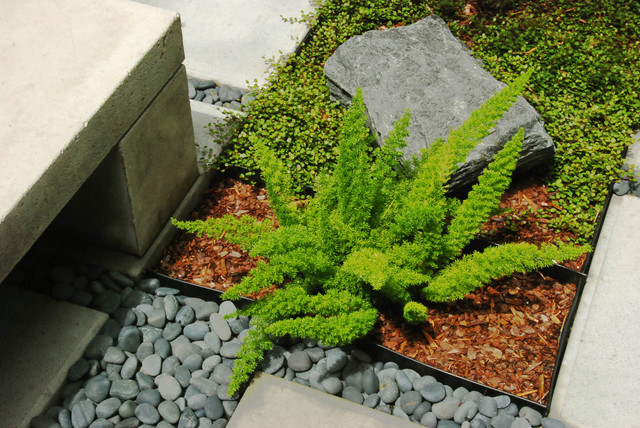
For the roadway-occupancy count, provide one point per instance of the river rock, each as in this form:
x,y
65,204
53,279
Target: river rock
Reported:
x,y
488,407
389,391
299,361
124,389
351,393
169,411
336,360
430,72
98,346
147,414
409,400
97,388
446,408
433,392
83,414
213,407
533,416
169,387
220,326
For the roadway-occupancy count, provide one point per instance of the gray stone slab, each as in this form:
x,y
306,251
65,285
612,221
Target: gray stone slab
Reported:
x,y
598,382
271,401
41,338
102,63
230,41
423,67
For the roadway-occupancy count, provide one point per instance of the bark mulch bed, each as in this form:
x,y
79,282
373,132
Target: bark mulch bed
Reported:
x,y
504,335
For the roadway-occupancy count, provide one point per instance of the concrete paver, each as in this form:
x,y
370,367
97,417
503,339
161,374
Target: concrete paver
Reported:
x,y
271,401
41,338
230,41
598,383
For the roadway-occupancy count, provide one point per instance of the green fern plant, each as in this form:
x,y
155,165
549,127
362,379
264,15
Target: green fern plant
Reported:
x,y
375,233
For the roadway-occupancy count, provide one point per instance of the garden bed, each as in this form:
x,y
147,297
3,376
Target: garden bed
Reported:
x,y
508,337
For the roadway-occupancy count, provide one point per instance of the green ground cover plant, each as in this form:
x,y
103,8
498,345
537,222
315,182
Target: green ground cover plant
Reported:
x,y
376,233
586,85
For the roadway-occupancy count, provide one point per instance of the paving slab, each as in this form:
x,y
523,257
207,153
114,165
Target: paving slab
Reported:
x,y
271,401
41,338
231,41
598,383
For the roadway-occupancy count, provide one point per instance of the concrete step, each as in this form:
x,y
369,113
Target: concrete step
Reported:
x,y
268,398
598,383
41,338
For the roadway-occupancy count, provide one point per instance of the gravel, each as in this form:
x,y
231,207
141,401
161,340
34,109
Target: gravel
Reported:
x,y
164,359
209,92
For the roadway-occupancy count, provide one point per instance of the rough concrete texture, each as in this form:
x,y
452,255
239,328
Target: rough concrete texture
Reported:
x,y
119,205
598,381
101,64
424,68
268,398
41,338
230,41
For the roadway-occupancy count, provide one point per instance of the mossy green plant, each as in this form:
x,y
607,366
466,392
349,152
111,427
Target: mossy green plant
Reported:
x,y
375,234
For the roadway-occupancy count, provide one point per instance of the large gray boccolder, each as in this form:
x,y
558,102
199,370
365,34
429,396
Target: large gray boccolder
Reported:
x,y
91,86
423,67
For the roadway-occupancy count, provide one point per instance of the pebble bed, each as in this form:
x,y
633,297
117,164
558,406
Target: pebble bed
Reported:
x,y
209,92
165,360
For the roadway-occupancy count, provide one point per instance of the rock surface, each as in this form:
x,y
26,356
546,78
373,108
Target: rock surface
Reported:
x,y
424,68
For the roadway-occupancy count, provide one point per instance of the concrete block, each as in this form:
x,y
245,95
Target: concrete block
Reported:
x,y
597,385
268,398
230,41
52,242
128,199
41,338
80,74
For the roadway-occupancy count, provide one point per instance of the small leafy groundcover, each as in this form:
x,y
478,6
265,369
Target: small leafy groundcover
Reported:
x,y
376,233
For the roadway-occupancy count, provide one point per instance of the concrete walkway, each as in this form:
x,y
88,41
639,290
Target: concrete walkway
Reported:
x,y
231,42
41,338
599,382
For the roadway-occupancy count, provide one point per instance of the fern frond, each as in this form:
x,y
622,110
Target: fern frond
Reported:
x,y
465,138
293,301
352,171
264,275
249,356
484,198
278,183
475,270
334,330
387,163
383,273
244,231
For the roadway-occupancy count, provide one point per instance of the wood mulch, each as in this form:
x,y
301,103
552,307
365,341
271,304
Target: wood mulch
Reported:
x,y
504,335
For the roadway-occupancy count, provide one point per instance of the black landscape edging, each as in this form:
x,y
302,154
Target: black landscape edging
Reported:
x,y
596,235
557,272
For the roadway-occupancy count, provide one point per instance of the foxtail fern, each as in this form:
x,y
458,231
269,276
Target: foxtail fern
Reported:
x,y
376,233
